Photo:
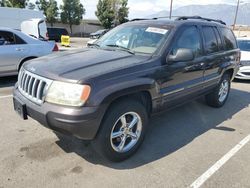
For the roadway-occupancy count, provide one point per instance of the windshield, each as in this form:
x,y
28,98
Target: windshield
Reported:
x,y
134,38
244,45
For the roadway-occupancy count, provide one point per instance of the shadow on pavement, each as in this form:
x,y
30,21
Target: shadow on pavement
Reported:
x,y
8,81
168,131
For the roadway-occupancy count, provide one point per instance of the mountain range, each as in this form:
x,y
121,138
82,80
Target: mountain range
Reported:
x,y
216,11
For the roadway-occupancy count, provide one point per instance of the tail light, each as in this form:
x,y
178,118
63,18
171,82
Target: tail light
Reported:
x,y
55,49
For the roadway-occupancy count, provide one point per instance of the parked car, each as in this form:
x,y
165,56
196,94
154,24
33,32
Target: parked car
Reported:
x,y
107,92
17,48
55,33
244,72
98,34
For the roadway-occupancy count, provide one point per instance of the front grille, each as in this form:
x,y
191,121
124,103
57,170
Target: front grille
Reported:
x,y
33,86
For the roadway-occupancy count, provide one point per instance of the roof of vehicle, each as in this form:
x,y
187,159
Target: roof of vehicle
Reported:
x,y
176,22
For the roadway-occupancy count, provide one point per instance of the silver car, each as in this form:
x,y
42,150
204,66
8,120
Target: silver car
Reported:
x,y
17,47
244,45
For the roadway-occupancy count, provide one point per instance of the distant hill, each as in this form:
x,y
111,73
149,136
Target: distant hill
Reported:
x,y
220,11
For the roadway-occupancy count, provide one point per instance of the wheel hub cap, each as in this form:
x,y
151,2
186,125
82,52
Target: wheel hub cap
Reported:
x,y
223,92
126,132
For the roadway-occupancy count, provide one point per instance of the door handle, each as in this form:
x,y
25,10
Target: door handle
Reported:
x,y
19,49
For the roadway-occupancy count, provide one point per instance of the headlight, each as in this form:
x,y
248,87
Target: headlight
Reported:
x,y
67,94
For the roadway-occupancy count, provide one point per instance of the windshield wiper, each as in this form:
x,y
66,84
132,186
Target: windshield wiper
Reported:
x,y
94,45
121,47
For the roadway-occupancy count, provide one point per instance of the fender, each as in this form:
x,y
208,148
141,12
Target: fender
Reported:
x,y
232,62
108,94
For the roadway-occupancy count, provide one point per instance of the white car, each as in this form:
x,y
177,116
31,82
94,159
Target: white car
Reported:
x,y
244,72
17,47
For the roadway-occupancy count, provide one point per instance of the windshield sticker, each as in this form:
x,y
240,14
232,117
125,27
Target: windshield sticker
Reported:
x,y
157,30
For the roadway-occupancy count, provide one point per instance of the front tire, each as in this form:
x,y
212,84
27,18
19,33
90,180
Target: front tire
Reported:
x,y
220,94
122,130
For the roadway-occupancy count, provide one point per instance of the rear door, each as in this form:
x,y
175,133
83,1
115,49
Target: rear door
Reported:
x,y
12,50
214,55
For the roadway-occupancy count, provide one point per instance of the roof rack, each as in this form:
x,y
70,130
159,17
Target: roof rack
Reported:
x,y
199,18
141,19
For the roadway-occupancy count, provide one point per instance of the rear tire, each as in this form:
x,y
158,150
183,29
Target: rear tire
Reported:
x,y
122,130
220,94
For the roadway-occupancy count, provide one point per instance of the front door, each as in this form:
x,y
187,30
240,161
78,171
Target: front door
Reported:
x,y
184,78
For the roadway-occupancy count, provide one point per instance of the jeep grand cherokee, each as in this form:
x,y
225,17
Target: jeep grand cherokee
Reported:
x,y
107,92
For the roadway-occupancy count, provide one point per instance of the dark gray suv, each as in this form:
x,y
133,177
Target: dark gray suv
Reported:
x,y
107,92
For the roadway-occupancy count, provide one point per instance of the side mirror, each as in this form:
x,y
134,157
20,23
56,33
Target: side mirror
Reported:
x,y
182,54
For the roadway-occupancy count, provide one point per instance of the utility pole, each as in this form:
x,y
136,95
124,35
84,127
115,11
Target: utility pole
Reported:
x,y
236,14
171,8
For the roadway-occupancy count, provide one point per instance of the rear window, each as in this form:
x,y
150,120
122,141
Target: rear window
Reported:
x,y
229,39
211,45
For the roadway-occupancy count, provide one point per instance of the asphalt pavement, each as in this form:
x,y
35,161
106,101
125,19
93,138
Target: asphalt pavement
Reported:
x,y
190,145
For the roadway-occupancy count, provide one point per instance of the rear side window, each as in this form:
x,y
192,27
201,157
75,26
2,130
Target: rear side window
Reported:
x,y
229,39
6,38
19,40
211,45
220,45
190,39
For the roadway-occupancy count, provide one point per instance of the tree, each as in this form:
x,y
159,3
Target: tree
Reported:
x,y
42,5
14,3
72,12
50,10
105,13
18,3
5,3
123,12
31,6
111,12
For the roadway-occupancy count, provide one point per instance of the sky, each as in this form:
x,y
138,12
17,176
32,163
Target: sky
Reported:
x,y
143,8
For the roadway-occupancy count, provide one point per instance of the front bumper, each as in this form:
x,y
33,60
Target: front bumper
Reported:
x,y
81,122
243,73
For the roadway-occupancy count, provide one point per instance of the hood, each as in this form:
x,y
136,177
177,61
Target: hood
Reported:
x,y
245,56
82,64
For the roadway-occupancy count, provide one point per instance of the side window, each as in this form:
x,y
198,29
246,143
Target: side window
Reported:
x,y
211,44
220,45
6,38
18,40
190,39
229,39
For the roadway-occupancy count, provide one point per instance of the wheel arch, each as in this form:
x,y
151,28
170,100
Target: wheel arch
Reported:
x,y
24,60
230,72
143,96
